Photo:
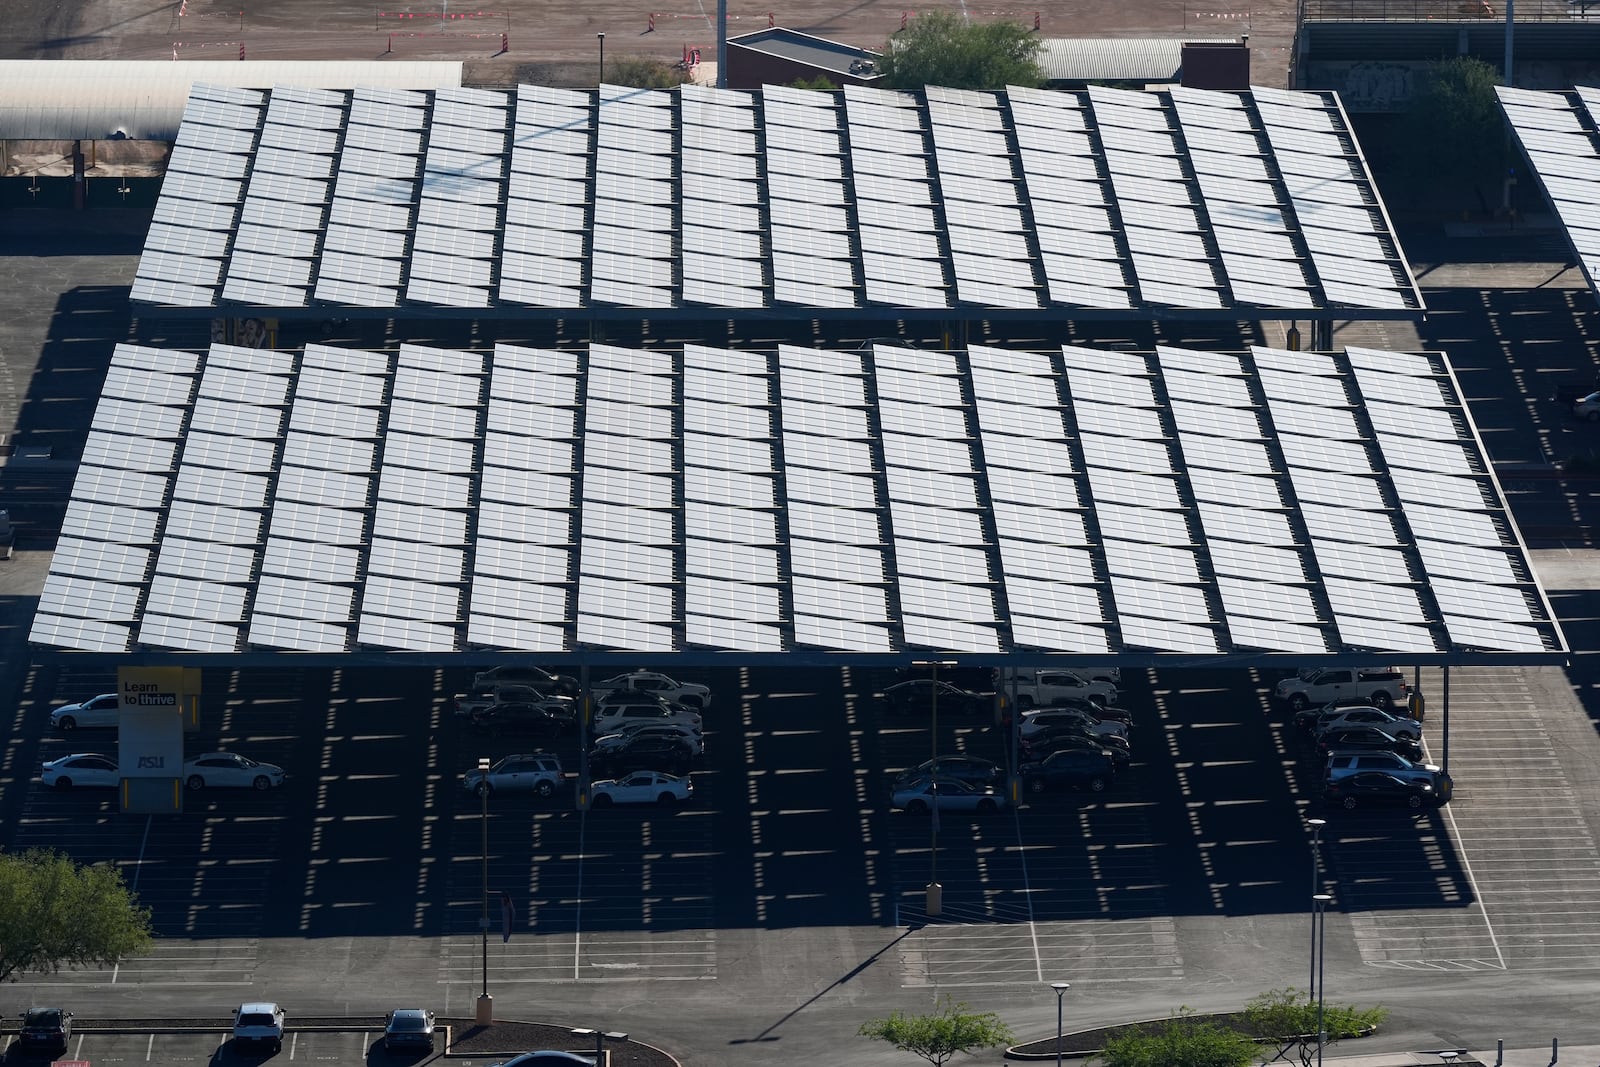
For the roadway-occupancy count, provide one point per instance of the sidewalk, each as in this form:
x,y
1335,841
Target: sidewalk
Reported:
x,y
1519,1057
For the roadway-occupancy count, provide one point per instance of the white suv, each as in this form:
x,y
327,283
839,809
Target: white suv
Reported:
x,y
260,1023
609,718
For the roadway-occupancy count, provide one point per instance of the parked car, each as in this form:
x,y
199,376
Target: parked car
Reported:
x,y
1034,749
1045,718
259,1023
45,1028
968,769
1375,788
918,694
1384,686
920,795
82,770
532,772
1358,738
468,704
547,1058
533,677
609,718
1344,764
688,694
1097,712
533,720
408,1028
1045,687
1338,715
96,712
1070,768
641,752
1587,407
642,787
972,679
229,770
694,739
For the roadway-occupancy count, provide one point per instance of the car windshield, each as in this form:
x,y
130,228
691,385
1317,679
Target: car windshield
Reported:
x,y
44,1017
408,1022
255,1018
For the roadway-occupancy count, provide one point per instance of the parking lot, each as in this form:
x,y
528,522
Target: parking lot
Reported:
x,y
790,828
311,1046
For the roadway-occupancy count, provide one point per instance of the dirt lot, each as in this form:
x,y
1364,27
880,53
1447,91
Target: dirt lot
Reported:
x,y
540,33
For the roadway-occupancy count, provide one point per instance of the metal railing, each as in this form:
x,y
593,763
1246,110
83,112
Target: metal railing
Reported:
x,y
1447,10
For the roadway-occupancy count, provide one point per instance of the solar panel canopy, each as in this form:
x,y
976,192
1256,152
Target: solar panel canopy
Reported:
x,y
1560,134
541,202
714,505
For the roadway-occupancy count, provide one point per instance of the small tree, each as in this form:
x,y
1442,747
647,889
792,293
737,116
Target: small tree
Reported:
x,y
641,73
820,83
1454,133
938,1037
55,913
1181,1041
941,48
1288,1017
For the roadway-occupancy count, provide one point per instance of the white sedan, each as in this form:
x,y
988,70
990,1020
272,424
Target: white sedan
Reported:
x,y
642,787
96,711
84,770
230,770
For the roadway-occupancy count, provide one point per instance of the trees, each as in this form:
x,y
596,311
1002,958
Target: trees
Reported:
x,y
941,48
55,913
1454,134
1181,1041
939,1036
1289,1018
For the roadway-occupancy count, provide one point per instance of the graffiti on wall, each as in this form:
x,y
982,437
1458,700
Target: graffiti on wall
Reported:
x,y
1367,86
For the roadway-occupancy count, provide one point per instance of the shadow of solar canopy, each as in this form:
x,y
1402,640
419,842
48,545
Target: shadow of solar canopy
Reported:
x,y
704,505
1560,134
869,204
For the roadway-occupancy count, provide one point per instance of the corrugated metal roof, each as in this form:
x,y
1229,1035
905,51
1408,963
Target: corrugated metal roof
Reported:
x,y
1101,59
59,100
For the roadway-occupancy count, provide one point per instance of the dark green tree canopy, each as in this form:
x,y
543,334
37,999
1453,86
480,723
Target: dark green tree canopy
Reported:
x,y
941,48
55,913
939,1036
1288,1017
1454,130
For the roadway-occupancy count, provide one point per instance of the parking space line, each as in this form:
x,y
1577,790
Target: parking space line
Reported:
x,y
150,1048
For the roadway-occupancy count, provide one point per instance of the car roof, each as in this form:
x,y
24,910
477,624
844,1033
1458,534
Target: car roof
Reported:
x,y
262,1006
44,1013
410,1013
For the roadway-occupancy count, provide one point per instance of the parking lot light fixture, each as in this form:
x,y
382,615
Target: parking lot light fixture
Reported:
x,y
1061,991
934,901
1319,911
1316,887
485,1009
600,1039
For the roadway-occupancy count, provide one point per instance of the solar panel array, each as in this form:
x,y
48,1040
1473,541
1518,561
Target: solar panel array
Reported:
x,y
865,201
830,505
1560,134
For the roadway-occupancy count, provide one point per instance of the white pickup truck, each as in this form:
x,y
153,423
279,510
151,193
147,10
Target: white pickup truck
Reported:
x,y
1044,687
653,683
1384,686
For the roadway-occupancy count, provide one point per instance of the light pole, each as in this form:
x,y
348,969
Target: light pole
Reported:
x,y
485,1012
602,37
1319,911
600,1039
1316,887
1061,991
934,902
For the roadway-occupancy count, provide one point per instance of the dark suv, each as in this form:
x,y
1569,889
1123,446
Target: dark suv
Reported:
x,y
1070,768
45,1028
917,694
